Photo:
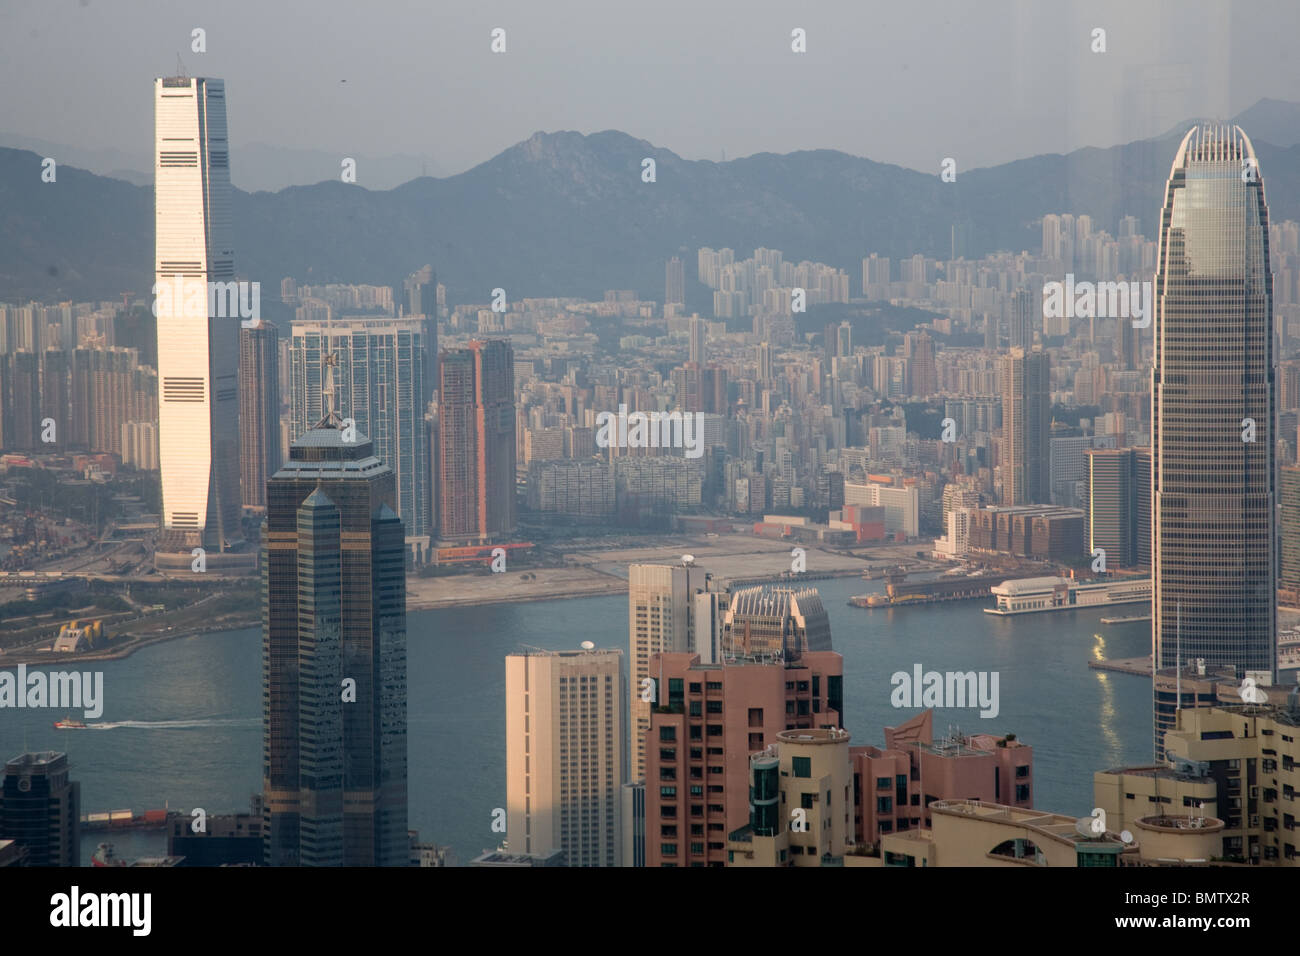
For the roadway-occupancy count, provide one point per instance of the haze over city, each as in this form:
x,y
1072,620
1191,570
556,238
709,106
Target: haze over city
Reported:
x,y
571,436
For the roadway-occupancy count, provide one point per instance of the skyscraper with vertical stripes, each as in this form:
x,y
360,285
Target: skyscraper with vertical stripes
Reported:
x,y
1026,419
1212,412
379,384
259,411
198,407
476,442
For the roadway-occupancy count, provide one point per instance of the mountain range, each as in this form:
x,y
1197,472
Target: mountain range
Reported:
x,y
565,213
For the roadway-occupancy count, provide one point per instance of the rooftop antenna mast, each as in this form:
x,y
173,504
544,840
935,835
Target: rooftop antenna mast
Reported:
x,y
329,362
180,67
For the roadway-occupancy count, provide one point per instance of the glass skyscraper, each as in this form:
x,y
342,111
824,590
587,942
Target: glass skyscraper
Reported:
x,y
333,658
1213,412
379,384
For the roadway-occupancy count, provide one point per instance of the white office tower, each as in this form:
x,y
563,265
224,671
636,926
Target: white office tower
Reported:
x,y
198,353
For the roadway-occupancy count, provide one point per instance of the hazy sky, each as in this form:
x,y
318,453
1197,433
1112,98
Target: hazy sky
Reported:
x,y
903,82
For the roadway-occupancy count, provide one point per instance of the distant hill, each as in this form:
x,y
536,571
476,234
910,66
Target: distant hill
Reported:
x,y
567,214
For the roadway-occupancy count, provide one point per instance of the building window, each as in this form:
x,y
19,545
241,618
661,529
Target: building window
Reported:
x,y
882,783
668,849
667,791
802,766
668,733
884,804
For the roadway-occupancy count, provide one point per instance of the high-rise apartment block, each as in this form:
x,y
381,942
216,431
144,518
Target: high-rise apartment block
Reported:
x,y
707,721
1248,753
476,442
1288,580
699,329
918,349
259,411
801,802
674,283
564,755
378,383
1026,427
897,783
1021,320
661,612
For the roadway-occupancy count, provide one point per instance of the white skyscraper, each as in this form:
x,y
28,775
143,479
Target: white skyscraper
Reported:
x,y
198,407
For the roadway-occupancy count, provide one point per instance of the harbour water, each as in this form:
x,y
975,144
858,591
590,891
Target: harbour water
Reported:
x,y
186,713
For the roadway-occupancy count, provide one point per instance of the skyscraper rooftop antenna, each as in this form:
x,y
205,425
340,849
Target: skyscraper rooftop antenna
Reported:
x,y
329,361
180,67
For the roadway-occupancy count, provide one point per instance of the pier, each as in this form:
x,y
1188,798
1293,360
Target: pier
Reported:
x,y
1141,666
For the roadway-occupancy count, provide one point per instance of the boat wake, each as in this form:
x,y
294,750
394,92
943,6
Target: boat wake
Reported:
x,y
175,724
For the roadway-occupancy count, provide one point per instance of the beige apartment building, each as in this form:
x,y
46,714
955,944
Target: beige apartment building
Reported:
x,y
564,755
1248,752
801,804
1128,794
975,833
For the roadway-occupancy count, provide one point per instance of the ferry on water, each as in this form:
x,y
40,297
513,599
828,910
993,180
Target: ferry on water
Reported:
x,y
1031,595
68,723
